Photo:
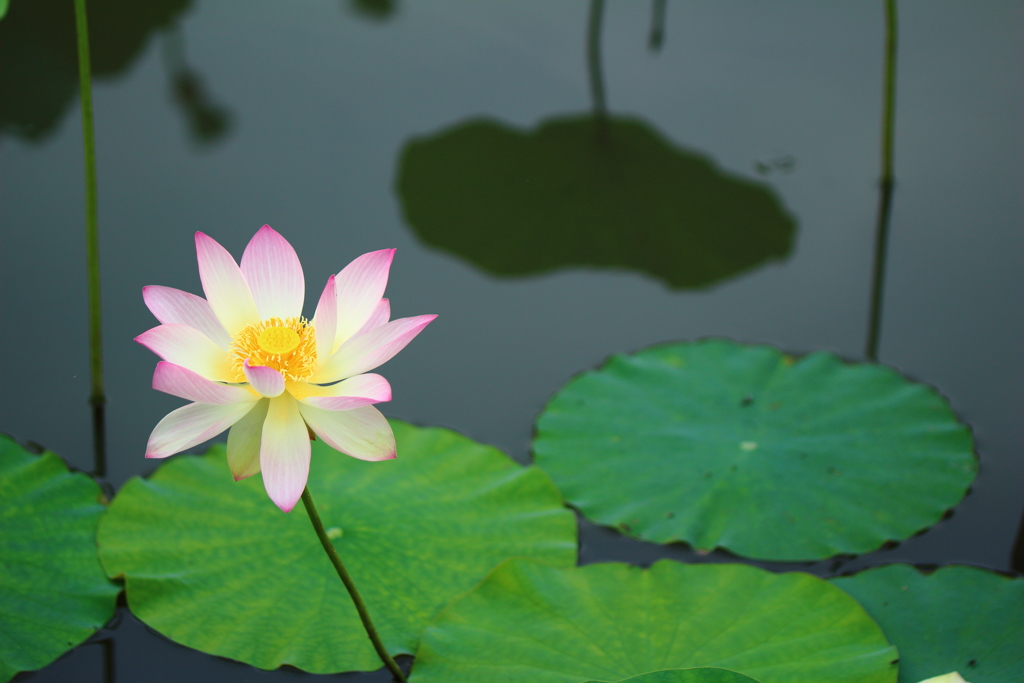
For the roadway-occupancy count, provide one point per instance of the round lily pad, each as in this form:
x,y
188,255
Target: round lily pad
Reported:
x,y
215,565
705,674
532,623
721,444
585,191
957,618
53,591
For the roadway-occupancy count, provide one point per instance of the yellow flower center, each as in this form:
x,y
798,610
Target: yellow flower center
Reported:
x,y
288,345
278,340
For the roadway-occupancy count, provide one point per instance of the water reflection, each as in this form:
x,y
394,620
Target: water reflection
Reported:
x,y
588,191
378,10
39,62
657,35
592,190
207,122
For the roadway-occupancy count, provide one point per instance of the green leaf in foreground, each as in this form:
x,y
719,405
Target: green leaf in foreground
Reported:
x,y
721,444
706,674
532,623
53,592
214,565
955,619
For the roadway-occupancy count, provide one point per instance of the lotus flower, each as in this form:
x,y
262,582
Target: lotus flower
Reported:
x,y
947,678
251,362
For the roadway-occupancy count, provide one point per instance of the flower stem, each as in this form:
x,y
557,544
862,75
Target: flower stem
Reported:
x,y
886,184
343,574
98,397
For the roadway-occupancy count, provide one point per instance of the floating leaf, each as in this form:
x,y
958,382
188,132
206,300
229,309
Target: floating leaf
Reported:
x,y
214,565
53,592
716,443
532,623
955,619
582,191
705,674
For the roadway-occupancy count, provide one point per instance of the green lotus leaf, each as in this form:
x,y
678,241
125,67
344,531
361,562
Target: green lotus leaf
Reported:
x,y
721,444
214,565
53,591
957,618
704,674
533,623
585,191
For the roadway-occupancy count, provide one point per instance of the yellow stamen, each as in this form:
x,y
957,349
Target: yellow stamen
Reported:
x,y
288,345
278,340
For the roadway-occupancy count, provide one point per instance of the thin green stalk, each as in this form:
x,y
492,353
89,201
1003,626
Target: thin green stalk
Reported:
x,y
97,398
343,574
594,59
886,184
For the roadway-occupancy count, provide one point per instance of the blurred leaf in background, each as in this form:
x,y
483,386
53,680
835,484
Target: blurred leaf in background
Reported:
x,y
39,54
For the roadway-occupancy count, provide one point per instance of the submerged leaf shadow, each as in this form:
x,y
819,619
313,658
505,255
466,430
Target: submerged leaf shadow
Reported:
x,y
206,121
39,62
375,10
587,191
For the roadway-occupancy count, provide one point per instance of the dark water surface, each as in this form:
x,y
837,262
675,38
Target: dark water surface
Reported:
x,y
340,124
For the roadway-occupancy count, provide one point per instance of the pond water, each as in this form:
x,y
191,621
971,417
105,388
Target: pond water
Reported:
x,y
346,127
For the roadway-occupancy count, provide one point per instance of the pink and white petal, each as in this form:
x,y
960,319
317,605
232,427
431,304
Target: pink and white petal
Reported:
x,y
171,305
362,433
188,347
325,320
272,269
284,452
370,349
225,286
179,381
360,286
339,402
244,441
191,425
380,316
354,392
267,381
